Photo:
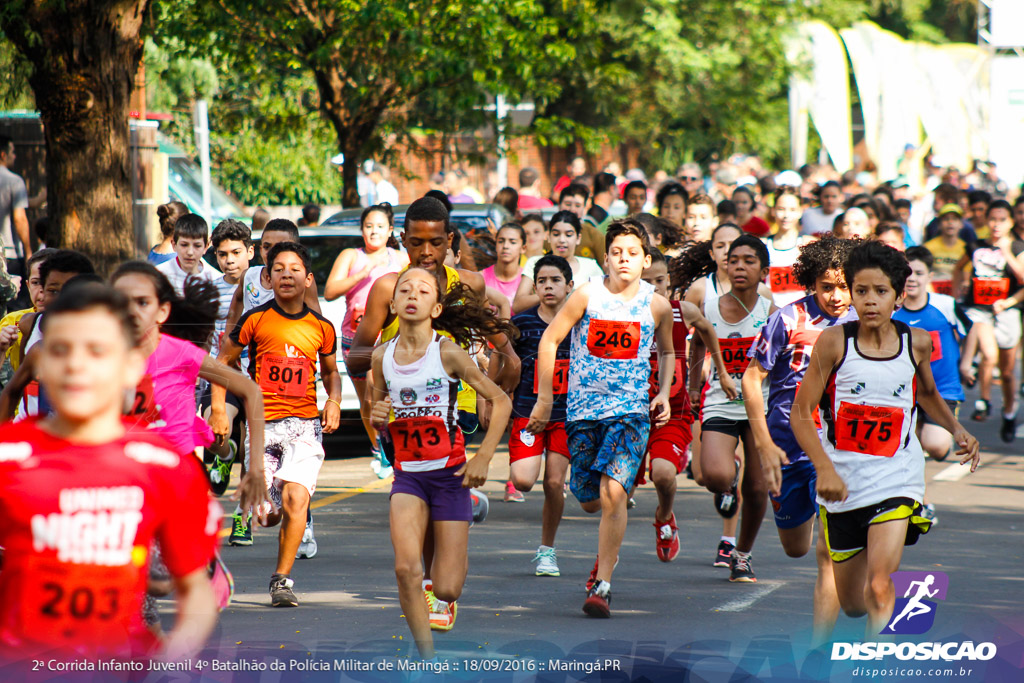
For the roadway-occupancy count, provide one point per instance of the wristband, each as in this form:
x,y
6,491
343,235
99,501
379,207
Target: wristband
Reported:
x,y
331,400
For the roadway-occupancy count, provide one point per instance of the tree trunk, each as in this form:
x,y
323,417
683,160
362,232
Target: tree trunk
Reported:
x,y
84,55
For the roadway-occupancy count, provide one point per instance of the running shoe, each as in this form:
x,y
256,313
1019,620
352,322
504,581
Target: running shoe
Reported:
x,y
481,504
599,598
742,572
981,410
384,469
723,558
592,579
547,563
1009,430
241,530
631,503
219,473
442,615
666,541
222,580
281,594
512,494
726,504
928,512
307,547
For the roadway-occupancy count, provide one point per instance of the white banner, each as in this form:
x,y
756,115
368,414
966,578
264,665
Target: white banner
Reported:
x,y
1007,118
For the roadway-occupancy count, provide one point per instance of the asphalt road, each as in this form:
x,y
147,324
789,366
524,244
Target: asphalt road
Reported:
x,y
667,619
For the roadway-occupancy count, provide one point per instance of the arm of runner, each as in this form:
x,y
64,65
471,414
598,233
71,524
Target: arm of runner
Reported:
x,y
1013,261
570,314
525,296
505,365
196,616
934,405
500,302
312,298
661,410
25,327
330,417
380,402
341,279
457,363
958,275
826,355
360,356
8,336
706,332
15,388
1003,304
772,457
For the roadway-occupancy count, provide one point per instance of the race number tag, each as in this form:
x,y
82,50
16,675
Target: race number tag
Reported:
x,y
284,376
76,604
936,345
943,287
143,407
559,381
613,340
780,279
871,430
734,353
357,316
420,438
988,290
678,378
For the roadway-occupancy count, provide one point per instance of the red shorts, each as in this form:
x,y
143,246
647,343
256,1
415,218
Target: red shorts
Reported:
x,y
551,439
668,443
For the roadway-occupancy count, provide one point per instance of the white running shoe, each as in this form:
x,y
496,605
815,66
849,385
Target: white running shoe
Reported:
x,y
547,564
307,548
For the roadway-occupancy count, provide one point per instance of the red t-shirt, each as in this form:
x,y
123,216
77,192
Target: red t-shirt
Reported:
x,y
526,202
679,399
78,521
757,226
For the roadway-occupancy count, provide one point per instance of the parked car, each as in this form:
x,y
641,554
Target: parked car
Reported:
x,y
471,220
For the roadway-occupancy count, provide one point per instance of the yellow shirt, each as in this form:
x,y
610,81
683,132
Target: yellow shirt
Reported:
x,y
14,318
945,257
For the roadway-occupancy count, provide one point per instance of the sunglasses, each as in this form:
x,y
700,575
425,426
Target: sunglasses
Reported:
x,y
688,177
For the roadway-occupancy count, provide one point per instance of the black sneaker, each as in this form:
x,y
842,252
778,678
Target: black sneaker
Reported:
x,y
598,602
281,594
723,558
981,410
742,572
1009,430
241,530
726,504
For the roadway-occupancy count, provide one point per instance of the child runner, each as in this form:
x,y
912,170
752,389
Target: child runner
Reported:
x,y
417,375
784,246
635,196
10,334
667,445
609,415
700,217
285,340
536,229
353,273
947,323
670,202
947,248
191,239
506,273
868,377
997,269
563,236
737,317
527,452
780,354
166,215
72,582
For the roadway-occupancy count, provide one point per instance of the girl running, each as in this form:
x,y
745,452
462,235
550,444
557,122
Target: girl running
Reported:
x,y
564,237
417,375
353,273
784,246
869,377
671,202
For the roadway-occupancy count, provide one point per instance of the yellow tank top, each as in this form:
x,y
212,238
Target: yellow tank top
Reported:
x,y
467,394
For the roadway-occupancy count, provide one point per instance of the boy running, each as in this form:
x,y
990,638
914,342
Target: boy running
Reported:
x,y
869,376
285,340
609,415
526,452
191,239
781,354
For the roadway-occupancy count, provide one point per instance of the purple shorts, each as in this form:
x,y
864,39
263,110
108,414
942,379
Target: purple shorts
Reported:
x,y
440,489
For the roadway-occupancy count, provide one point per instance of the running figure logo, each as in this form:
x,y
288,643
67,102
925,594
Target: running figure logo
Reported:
x,y
914,613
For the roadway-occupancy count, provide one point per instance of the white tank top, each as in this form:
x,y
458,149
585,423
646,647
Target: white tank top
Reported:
x,y
785,289
870,420
712,289
425,400
253,292
735,340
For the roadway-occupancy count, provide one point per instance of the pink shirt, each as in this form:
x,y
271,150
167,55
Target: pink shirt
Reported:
x,y
172,371
507,288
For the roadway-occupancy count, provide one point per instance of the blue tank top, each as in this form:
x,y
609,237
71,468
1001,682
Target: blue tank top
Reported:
x,y
531,328
943,320
610,365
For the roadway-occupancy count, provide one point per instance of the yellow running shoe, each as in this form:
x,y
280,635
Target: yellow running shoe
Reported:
x,y
442,615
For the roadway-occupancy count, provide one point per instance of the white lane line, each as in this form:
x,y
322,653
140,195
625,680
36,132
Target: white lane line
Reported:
x,y
954,472
741,604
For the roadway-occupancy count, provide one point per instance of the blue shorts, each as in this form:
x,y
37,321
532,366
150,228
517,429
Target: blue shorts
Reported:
x,y
440,489
795,504
346,346
613,446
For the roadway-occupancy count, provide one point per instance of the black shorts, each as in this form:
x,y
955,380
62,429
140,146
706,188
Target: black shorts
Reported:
x,y
733,428
846,533
954,407
205,399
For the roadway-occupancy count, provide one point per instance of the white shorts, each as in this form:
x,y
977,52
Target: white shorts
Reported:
x,y
1006,325
293,452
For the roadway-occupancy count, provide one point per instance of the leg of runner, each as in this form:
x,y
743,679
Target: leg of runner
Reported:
x,y
1008,384
826,601
989,354
360,385
755,502
663,475
556,466
294,504
935,440
884,552
613,526
410,518
717,474
451,563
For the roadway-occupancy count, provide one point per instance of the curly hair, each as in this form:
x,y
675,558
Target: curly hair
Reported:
x,y
820,256
695,262
872,254
671,236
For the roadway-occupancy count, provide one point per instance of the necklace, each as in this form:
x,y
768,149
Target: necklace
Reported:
x,y
739,302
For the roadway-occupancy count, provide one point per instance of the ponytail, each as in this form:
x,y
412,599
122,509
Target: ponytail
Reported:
x,y
467,318
693,264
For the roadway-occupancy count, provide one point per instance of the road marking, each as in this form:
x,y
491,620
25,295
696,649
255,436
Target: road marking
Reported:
x,y
954,472
740,604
